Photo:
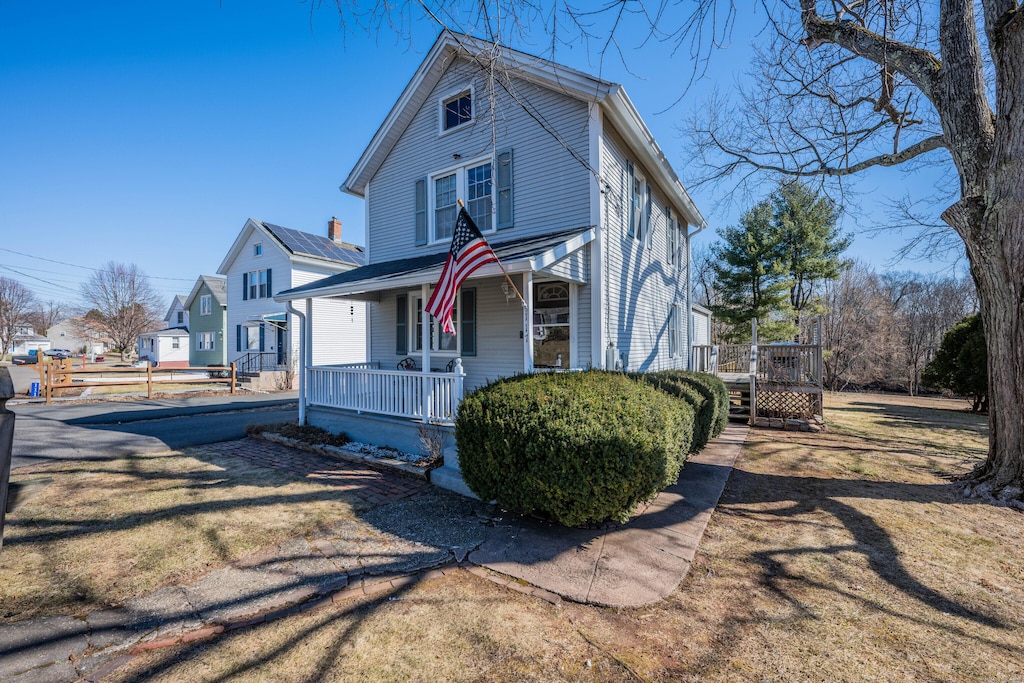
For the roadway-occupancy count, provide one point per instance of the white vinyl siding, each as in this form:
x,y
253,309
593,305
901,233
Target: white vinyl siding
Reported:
x,y
551,187
640,285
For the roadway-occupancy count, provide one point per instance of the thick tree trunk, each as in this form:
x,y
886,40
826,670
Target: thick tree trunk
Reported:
x,y
998,267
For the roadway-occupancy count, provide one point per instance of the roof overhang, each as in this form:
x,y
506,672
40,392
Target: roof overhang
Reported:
x,y
515,261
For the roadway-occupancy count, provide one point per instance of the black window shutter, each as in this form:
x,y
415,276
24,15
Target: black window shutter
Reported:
x,y
504,188
270,292
421,211
402,324
245,286
261,337
238,337
633,199
467,319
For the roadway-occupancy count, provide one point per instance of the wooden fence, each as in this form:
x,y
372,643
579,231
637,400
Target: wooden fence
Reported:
x,y
61,375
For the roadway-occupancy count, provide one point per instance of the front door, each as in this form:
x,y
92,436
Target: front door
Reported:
x,y
551,327
282,349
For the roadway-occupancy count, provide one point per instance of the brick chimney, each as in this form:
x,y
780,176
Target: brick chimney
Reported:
x,y
334,229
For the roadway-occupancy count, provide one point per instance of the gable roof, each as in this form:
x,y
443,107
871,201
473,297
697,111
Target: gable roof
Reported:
x,y
218,287
178,300
616,105
524,254
297,245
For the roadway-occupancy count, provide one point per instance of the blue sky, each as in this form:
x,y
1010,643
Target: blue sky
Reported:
x,y
147,132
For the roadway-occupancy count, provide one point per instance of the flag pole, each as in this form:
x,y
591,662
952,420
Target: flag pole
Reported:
x,y
502,266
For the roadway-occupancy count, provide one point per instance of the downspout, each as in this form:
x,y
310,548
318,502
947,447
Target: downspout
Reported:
x,y
302,358
689,296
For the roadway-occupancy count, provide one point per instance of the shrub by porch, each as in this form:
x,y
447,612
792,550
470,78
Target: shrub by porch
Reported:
x,y
579,447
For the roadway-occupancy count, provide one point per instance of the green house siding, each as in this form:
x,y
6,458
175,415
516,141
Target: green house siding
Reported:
x,y
215,322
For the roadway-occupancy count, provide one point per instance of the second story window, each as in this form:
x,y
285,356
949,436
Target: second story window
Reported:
x,y
484,185
457,110
181,317
257,249
473,183
256,284
205,307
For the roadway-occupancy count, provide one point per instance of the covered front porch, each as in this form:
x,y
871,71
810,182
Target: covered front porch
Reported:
x,y
536,319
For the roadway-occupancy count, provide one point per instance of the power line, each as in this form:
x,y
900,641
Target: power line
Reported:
x,y
96,270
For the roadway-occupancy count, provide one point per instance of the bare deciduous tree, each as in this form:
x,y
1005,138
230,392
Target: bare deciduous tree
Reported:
x,y
124,303
16,303
47,314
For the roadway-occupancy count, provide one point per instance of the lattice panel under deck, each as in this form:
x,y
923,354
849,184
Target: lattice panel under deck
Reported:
x,y
788,404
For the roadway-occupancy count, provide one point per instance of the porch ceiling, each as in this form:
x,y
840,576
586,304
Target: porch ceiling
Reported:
x,y
523,255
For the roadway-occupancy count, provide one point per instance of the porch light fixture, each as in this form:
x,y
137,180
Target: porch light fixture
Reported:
x,y
509,292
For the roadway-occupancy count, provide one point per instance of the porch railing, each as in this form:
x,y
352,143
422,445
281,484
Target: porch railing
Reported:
x,y
426,396
258,361
736,357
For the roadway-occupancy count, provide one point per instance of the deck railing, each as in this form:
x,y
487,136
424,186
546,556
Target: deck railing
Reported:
x,y
427,396
789,363
736,358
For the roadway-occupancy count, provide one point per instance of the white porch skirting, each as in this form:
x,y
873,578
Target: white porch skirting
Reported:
x,y
431,397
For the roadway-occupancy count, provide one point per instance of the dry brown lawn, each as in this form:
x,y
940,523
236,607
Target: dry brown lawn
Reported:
x,y
104,532
844,556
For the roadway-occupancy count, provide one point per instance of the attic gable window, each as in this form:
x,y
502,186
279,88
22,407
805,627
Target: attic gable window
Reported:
x,y
457,110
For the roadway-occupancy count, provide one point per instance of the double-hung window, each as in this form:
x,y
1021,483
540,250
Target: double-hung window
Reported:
x,y
205,307
640,202
205,341
472,182
440,341
256,284
673,330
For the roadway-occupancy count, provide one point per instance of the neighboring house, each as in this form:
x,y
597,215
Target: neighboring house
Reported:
x,y
25,340
177,313
75,335
265,259
577,200
207,309
166,348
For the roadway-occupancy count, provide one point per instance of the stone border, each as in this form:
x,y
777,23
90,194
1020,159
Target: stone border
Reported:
x,y
342,453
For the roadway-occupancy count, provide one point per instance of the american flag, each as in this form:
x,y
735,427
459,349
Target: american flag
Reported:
x,y
469,251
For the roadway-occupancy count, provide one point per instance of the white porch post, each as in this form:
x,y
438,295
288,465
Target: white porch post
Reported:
x,y
425,344
528,322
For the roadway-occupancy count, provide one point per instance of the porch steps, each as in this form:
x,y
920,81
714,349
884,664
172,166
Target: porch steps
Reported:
x,y
739,400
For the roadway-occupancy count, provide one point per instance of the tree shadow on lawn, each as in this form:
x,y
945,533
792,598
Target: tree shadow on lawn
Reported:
x,y
756,496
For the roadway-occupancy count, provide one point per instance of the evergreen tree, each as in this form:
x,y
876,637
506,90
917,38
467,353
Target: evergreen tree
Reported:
x,y
808,226
752,274
961,363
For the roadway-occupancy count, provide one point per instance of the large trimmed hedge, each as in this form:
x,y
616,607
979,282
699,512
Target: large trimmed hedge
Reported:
x,y
711,387
700,399
577,447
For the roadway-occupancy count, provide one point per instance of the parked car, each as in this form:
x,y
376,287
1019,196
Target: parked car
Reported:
x,y
60,354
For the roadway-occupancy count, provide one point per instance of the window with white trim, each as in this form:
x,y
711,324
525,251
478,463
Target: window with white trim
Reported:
x,y
457,110
258,284
673,330
440,341
175,342
639,206
551,325
206,341
475,183
205,304
252,338
257,249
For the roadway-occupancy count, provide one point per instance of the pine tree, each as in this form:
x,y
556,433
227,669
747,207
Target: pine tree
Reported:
x,y
752,274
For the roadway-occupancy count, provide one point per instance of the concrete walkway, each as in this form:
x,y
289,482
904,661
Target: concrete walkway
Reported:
x,y
413,531
635,564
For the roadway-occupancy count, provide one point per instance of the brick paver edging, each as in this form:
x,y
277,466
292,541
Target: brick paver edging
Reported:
x,y
341,453
366,587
